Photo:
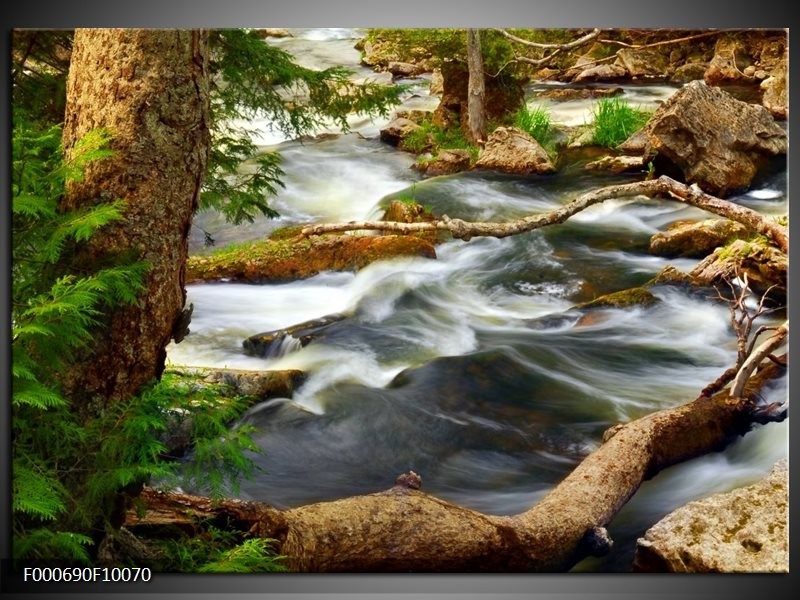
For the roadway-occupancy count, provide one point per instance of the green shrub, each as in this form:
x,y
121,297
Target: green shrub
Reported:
x,y
615,120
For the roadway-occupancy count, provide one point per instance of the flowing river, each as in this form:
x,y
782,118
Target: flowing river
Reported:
x,y
468,369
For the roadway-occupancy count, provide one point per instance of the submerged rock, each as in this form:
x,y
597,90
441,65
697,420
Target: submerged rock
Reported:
x,y
298,258
511,150
696,240
271,343
718,142
743,531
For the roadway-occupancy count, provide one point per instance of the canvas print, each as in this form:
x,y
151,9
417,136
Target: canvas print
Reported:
x,y
399,300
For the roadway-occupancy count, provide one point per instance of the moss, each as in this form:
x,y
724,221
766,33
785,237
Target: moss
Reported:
x,y
292,259
623,299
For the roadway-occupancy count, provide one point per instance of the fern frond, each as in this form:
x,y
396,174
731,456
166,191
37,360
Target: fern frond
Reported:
x,y
36,493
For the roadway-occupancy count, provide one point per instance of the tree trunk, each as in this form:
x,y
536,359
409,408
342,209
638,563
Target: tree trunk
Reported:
x,y
476,113
149,88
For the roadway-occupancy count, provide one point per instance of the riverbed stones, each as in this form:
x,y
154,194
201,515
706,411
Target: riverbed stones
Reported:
x,y
617,164
742,531
718,142
445,162
775,98
729,61
511,150
579,93
269,343
602,72
643,62
696,239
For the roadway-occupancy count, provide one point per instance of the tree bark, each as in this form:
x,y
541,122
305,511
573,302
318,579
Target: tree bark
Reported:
x,y
663,186
149,88
405,529
476,92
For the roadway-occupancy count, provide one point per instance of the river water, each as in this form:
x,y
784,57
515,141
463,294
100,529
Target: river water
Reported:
x,y
470,369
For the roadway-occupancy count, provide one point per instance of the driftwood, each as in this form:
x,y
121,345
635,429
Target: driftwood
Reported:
x,y
662,186
405,529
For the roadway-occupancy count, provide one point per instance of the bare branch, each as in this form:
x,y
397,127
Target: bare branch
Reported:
x,y
568,46
755,359
662,42
664,186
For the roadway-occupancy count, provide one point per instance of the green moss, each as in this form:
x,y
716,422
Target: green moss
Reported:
x,y
623,299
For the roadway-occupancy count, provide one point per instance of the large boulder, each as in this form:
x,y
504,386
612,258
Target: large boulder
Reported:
x,y
718,142
511,150
743,531
696,240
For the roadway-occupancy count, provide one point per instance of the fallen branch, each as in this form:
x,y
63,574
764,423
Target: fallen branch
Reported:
x,y
405,529
662,186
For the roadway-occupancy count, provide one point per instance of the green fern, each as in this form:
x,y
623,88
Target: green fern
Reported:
x,y
252,556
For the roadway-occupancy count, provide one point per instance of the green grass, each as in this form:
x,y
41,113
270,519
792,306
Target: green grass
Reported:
x,y
536,122
615,120
431,138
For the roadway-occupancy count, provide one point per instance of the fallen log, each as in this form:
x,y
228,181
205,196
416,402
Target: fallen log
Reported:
x,y
405,529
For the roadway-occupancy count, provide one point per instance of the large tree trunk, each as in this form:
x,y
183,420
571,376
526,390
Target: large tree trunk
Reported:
x,y
476,94
149,88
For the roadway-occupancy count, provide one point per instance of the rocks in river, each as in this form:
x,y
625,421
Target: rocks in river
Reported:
x,y
602,72
775,98
437,82
511,150
689,72
765,266
397,130
403,69
643,62
564,94
742,531
718,142
622,299
727,66
617,164
271,343
272,32
445,162
696,239
298,258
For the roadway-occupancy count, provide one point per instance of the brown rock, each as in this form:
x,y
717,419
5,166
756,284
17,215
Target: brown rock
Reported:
x,y
446,162
511,150
742,531
602,73
566,94
775,98
397,130
717,141
402,69
689,72
617,164
730,59
643,62
437,82
696,240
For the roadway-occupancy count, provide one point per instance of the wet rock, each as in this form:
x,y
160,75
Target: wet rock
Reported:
x,y
617,164
643,62
765,266
511,150
397,130
622,299
271,343
602,72
696,240
416,115
635,144
743,531
263,385
446,162
717,141
671,275
583,93
299,258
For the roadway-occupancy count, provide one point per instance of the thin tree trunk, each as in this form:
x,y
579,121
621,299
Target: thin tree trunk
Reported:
x,y
405,529
149,88
476,92
663,186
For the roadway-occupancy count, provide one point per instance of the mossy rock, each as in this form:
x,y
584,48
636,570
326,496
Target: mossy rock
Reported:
x,y
696,240
291,259
623,299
